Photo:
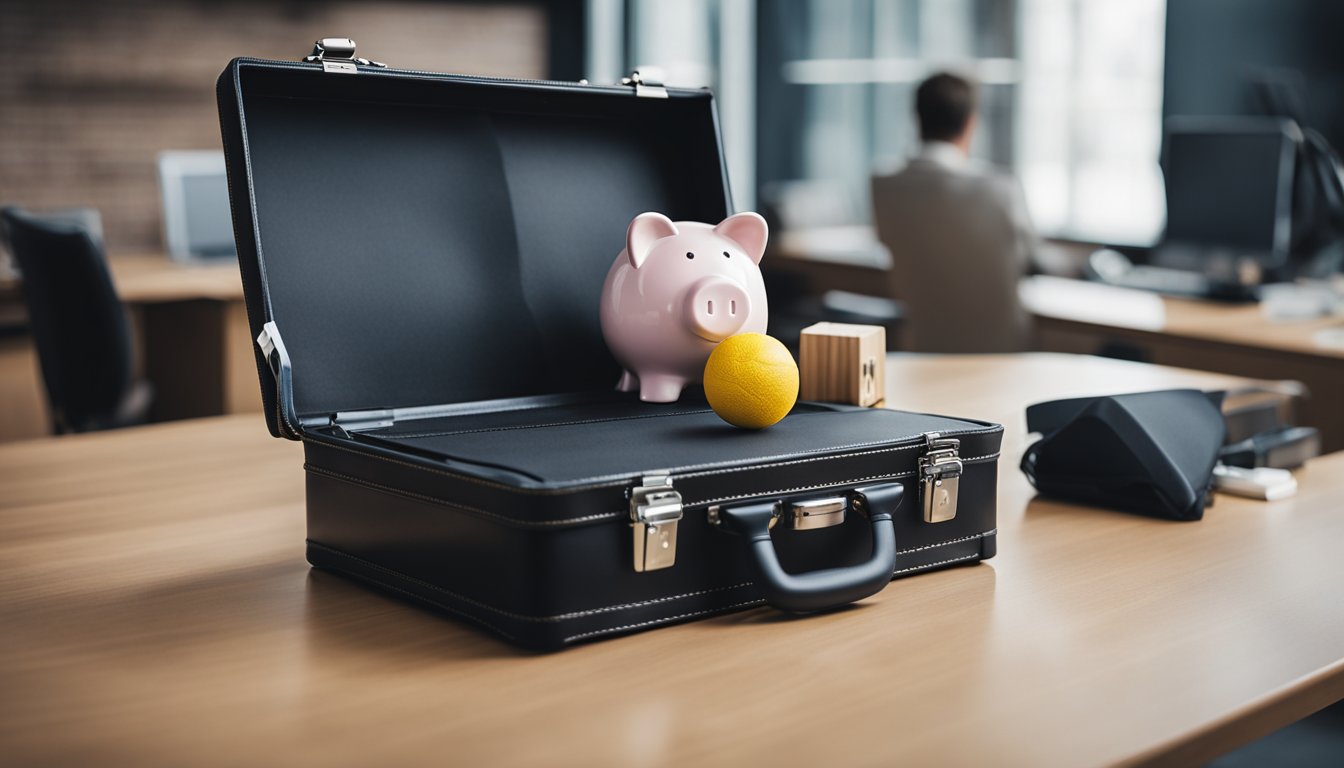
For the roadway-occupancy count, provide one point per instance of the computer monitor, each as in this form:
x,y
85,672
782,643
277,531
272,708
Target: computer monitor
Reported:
x,y
1229,184
1218,51
196,219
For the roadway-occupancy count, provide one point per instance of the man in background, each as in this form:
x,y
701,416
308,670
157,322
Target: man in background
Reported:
x,y
958,233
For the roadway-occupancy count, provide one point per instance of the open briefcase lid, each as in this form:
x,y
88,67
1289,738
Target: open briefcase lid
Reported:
x,y
413,239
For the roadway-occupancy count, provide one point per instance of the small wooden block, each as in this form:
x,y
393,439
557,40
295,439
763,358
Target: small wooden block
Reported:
x,y
843,363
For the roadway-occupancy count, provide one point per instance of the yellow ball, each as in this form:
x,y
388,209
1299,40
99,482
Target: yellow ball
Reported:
x,y
751,380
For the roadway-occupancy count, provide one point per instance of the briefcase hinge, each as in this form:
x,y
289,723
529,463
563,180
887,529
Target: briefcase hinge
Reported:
x,y
648,85
940,477
357,421
337,54
655,511
267,341
273,351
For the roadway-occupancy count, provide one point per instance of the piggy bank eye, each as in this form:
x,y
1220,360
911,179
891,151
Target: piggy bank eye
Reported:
x,y
690,255
727,255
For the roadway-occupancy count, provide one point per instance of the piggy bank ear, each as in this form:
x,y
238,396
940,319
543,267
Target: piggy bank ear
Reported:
x,y
747,230
645,230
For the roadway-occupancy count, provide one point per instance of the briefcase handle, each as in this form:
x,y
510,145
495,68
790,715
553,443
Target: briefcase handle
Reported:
x,y
830,587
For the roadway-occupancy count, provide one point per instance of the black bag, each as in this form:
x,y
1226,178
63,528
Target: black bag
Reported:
x,y
1152,452
433,248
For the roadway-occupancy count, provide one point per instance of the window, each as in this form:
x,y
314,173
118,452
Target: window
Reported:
x,y
820,92
1089,123
691,44
837,84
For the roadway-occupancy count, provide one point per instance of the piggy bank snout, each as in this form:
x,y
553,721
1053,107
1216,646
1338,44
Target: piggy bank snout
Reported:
x,y
716,308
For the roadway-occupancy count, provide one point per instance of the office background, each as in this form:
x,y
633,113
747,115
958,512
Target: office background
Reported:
x,y
809,90
814,96
104,87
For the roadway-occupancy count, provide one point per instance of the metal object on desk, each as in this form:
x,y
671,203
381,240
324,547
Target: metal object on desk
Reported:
x,y
940,478
655,510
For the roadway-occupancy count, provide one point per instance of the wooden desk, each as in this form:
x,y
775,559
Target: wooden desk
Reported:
x,y
1072,316
193,344
830,258
850,258
197,346
149,278
1088,318
157,611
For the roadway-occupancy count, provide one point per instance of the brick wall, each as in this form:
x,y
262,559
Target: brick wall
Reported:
x,y
90,92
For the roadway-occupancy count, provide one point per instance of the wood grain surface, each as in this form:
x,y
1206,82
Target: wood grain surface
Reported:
x,y
1232,338
1058,302
155,609
842,363
143,278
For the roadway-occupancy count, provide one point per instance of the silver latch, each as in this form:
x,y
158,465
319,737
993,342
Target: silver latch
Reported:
x,y
940,477
655,510
337,54
647,84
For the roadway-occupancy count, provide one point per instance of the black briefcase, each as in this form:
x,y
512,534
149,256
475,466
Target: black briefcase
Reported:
x,y
422,257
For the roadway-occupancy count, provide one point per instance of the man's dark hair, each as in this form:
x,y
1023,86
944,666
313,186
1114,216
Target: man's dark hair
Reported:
x,y
944,104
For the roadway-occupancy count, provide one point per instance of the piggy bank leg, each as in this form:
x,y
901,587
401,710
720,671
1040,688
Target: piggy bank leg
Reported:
x,y
629,382
660,388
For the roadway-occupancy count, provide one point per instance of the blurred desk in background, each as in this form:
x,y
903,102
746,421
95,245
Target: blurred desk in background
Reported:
x,y
850,258
149,278
197,346
157,609
193,343
821,259
1089,318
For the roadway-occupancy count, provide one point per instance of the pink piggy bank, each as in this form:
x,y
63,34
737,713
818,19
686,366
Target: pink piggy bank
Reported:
x,y
677,290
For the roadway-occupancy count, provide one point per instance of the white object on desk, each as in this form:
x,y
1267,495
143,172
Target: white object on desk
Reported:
x,y
1332,338
1093,303
1265,483
848,245
1300,301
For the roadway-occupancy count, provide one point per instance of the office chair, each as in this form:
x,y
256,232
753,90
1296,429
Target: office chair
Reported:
x,y
956,260
78,325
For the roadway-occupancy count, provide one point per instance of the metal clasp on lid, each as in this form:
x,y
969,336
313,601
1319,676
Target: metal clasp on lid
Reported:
x,y
940,477
337,54
655,510
647,84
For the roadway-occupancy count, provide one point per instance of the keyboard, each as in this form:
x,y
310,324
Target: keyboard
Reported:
x,y
1112,268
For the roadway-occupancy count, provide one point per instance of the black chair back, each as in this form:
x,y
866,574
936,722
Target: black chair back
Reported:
x,y
77,322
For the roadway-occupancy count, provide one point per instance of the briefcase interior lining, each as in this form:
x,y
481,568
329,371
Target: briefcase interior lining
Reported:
x,y
505,200
620,438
